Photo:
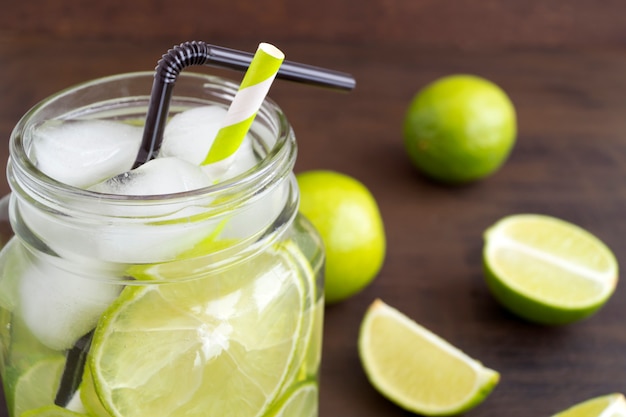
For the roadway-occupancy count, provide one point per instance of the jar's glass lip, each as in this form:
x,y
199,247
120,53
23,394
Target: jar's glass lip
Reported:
x,y
272,161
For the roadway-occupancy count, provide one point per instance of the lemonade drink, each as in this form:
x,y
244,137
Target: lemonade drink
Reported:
x,y
205,302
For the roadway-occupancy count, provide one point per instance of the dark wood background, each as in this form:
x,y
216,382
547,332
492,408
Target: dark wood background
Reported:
x,y
563,63
442,23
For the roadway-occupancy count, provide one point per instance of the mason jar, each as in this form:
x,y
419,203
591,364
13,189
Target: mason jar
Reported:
x,y
206,302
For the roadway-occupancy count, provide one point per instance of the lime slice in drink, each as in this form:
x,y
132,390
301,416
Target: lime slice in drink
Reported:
x,y
300,402
418,370
88,396
51,411
314,349
12,265
33,371
298,262
611,405
207,251
37,386
547,270
221,345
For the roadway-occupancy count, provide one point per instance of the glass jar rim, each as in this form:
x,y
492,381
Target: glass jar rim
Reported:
x,y
21,164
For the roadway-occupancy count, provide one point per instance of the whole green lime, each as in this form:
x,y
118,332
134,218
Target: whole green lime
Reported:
x,y
460,128
348,219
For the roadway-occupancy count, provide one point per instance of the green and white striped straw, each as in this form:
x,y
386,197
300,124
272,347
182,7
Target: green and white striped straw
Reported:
x,y
246,103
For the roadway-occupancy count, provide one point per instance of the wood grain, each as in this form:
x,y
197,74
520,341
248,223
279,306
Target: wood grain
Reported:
x,y
459,23
569,161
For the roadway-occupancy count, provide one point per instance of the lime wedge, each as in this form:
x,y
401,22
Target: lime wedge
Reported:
x,y
51,411
611,405
416,369
547,270
302,401
193,347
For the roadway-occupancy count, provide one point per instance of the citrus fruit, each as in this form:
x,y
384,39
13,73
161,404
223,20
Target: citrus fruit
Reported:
x,y
33,371
547,270
418,370
51,411
193,347
611,405
347,218
310,340
301,402
38,385
314,351
460,128
89,397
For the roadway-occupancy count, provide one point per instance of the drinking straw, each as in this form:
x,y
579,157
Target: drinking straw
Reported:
x,y
289,70
201,53
246,103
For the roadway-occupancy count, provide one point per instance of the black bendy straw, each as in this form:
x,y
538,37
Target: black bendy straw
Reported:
x,y
200,53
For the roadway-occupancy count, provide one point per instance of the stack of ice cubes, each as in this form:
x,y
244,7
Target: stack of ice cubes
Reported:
x,y
98,155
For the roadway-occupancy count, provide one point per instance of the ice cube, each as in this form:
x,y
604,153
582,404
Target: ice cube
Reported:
x,y
143,233
159,176
149,231
259,213
236,164
76,404
190,134
60,306
83,152
137,242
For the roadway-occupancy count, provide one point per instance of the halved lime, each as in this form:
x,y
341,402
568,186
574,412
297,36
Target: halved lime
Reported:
x,y
221,345
548,270
418,370
611,405
302,401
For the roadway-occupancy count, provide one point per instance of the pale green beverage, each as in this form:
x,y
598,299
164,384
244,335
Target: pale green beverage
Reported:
x,y
206,302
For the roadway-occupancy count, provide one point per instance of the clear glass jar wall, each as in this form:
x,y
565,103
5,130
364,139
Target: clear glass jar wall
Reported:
x,y
201,303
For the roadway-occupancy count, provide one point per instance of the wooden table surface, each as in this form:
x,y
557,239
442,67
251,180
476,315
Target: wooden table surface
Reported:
x,y
569,162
